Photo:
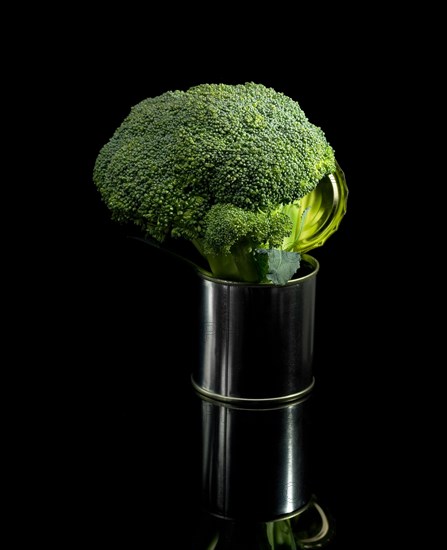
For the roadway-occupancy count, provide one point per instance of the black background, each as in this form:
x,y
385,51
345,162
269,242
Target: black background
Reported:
x,y
125,315
137,337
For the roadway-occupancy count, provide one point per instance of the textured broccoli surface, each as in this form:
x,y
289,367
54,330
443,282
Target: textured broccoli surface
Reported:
x,y
215,165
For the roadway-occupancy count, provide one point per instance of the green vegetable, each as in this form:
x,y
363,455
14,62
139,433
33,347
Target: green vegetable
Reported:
x,y
223,167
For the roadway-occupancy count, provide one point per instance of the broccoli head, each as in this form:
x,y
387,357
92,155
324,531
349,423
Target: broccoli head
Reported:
x,y
217,165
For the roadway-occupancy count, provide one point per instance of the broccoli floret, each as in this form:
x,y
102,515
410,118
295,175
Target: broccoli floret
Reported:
x,y
215,165
233,234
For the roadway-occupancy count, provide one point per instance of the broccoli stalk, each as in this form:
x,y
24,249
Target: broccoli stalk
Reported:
x,y
226,167
238,265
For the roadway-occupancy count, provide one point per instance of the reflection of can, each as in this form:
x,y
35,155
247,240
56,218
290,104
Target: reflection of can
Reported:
x,y
254,377
254,460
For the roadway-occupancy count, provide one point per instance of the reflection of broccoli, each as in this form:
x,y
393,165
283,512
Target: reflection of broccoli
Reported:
x,y
218,165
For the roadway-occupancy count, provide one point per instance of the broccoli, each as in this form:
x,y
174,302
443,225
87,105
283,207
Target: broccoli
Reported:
x,y
222,166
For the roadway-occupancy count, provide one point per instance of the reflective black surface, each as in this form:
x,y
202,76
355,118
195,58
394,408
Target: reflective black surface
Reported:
x,y
254,461
134,445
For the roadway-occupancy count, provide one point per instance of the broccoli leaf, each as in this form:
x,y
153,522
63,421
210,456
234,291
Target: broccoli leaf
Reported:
x,y
277,266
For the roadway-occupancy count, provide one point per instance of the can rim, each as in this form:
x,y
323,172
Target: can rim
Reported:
x,y
327,205
263,403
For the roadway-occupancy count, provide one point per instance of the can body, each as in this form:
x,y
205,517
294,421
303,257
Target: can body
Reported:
x,y
254,377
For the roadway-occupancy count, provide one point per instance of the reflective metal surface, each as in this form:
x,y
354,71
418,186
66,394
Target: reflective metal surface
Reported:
x,y
257,339
326,205
254,460
254,377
